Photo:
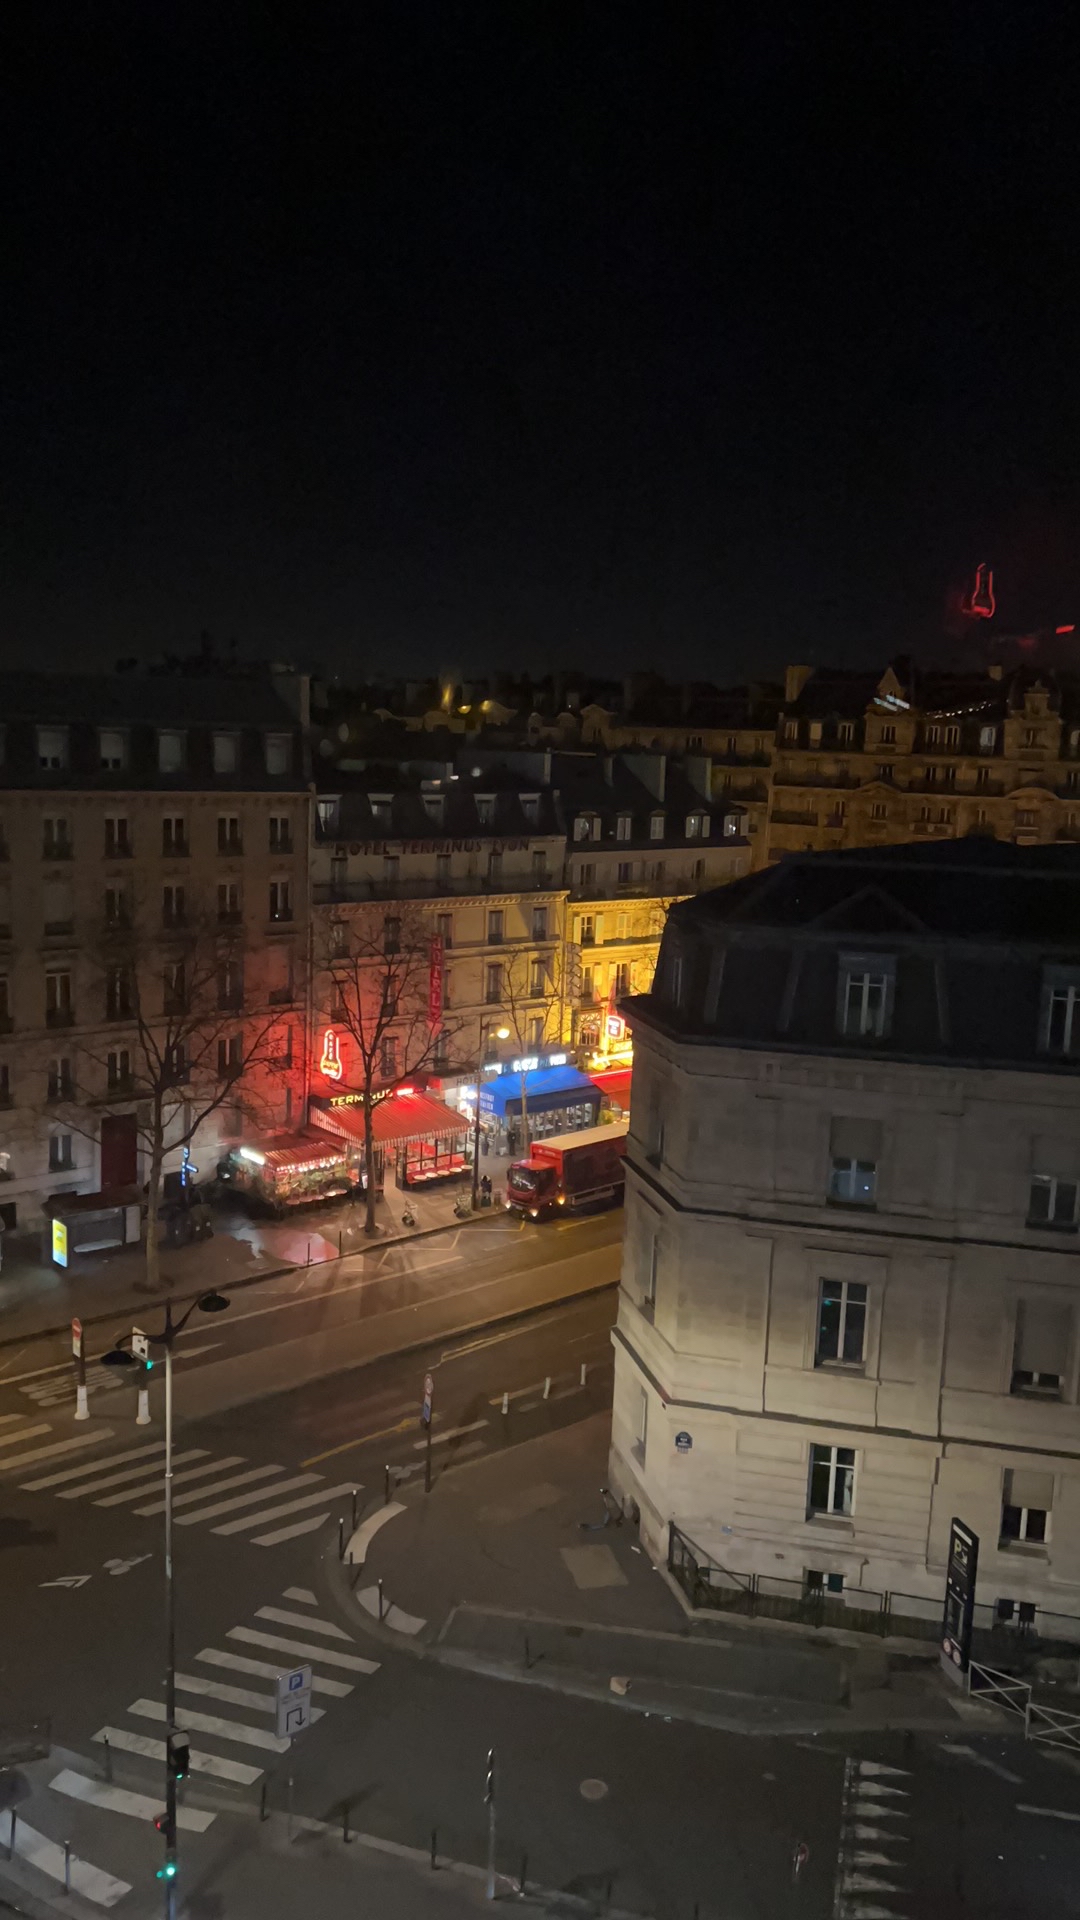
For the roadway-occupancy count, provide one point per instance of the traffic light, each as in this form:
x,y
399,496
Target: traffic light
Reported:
x,y
168,1871
167,1828
179,1756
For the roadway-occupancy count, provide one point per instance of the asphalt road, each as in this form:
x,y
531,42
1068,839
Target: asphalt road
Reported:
x,y
656,1816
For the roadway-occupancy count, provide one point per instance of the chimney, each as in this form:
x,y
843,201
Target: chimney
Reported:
x,y
795,679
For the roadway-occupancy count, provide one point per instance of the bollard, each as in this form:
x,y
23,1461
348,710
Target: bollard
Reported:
x,y
584,1370
67,1866
380,1599
108,1759
82,1410
264,1801
142,1417
523,1876
11,1837
340,1242
506,1403
386,1487
355,1492
345,1834
289,1798
307,1262
547,1385
341,1538
434,1852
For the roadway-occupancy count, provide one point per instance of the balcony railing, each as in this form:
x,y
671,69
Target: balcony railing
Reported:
x,y
327,893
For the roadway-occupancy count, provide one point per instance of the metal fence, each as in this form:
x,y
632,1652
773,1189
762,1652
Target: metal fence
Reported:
x,y
1047,1726
912,1616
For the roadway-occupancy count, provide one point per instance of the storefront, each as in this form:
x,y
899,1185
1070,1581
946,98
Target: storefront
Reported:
x,y
425,1141
557,1100
285,1170
614,1085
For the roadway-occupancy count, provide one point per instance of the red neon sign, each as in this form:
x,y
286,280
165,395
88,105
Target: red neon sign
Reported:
x,y
330,1064
980,603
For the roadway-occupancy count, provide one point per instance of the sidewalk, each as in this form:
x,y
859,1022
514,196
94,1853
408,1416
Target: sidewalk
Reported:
x,y
38,1298
494,1571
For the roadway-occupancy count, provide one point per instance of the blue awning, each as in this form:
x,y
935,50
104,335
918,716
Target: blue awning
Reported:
x,y
545,1089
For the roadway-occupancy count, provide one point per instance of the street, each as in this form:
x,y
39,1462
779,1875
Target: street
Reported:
x,y
648,1814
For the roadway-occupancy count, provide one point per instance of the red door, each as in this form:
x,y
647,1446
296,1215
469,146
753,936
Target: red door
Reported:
x,y
119,1150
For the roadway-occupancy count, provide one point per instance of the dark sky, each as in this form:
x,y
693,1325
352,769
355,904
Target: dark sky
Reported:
x,y
420,334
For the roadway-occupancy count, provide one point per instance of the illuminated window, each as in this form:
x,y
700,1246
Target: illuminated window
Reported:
x,y
112,750
171,752
278,753
225,753
841,1334
52,748
832,1480
1059,1027
1027,1499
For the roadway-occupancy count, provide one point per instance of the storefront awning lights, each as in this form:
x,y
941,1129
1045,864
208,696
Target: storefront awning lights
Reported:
x,y
249,1153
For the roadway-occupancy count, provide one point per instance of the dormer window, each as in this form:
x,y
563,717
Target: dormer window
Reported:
x,y
278,753
225,752
693,826
52,748
435,807
112,750
485,809
583,827
656,826
1059,1025
530,807
865,996
380,808
326,812
624,826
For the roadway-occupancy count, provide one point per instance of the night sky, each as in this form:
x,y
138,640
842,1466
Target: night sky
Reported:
x,y
389,338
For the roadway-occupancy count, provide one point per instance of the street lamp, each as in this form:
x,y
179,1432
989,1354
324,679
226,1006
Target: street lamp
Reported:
x,y
501,1033
120,1355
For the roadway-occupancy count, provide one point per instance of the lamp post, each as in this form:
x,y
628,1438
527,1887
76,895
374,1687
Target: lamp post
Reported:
x,y
501,1033
120,1355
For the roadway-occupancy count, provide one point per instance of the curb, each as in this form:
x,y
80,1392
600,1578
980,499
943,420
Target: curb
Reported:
x,y
239,1285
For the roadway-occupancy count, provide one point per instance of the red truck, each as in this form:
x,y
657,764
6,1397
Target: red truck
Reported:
x,y
572,1170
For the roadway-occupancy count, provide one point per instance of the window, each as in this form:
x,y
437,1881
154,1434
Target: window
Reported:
x,y
171,752
444,930
583,827
1032,736
587,930
818,1584
539,864
229,1057
588,986
853,1182
225,754
625,873
651,1273
693,826
434,805
675,979
485,808
61,1082
278,754
442,869
280,833
493,984
112,750
391,869
832,1480
586,874
495,928
228,903
879,811
1052,1203
228,833
392,934
883,772
656,826
173,835
61,1153
621,982
119,1069
642,1424
1014,1613
854,1153
281,899
987,739
865,995
173,906
845,733
117,836
841,1334
117,907
58,1008
983,776
389,1060
1041,1345
1027,817
887,736
230,984
118,994
5,1004
537,979
495,866
326,815
58,905
791,730
380,808
624,826
55,838
175,986
539,923
1026,1501
530,807
52,748
1060,1029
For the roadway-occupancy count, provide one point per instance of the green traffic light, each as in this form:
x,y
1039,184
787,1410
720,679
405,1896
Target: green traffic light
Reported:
x,y
168,1871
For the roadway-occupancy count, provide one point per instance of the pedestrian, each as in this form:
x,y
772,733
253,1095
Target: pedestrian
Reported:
x,y
485,1191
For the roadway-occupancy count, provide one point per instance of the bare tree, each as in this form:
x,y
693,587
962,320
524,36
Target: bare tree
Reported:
x,y
534,1002
378,963
188,1026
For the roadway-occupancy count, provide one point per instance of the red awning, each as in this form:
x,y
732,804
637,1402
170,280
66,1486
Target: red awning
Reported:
x,y
615,1083
290,1152
401,1116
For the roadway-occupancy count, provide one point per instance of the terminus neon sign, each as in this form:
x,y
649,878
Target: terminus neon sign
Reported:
x,y
330,1063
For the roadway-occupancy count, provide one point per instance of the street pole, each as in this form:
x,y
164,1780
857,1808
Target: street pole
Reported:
x,y
170,1621
476,1120
489,1796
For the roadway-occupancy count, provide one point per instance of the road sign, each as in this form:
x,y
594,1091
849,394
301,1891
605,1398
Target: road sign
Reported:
x,y
293,1702
76,1338
140,1344
429,1395
683,1442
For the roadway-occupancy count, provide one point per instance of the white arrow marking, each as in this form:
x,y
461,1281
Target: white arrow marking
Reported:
x,y
981,1760
871,1913
69,1580
877,1770
124,1566
1053,1813
873,1790
865,1883
875,1860
881,1833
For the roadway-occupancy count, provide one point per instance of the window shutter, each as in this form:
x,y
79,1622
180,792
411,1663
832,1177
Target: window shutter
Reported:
x,y
1056,1154
1024,1489
851,1139
1043,1329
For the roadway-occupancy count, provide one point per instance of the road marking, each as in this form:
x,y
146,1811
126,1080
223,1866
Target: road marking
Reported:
x,y
95,1466
235,1696
192,1722
384,1433
390,1616
877,1770
303,1594
7,1418
266,1670
247,1499
327,1656
274,1539
139,1806
129,1473
451,1433
289,1506
48,1858
980,1760
122,1741
64,1366
24,1433
303,1620
69,1580
53,1452
1051,1813
223,1486
192,1473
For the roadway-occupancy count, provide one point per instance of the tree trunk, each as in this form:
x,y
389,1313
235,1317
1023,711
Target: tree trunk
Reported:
x,y
153,1202
370,1196
524,1119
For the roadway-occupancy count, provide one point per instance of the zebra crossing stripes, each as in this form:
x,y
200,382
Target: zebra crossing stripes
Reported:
x,y
48,1857
128,1473
291,1506
245,1500
190,1473
139,1806
192,1721
236,1480
77,1473
865,1870
80,1443
329,1656
268,1670
25,1433
234,1696
304,1621
122,1741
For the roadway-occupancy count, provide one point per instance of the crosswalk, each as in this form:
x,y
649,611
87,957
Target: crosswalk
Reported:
x,y
266,1504
54,1386
232,1738
871,1862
